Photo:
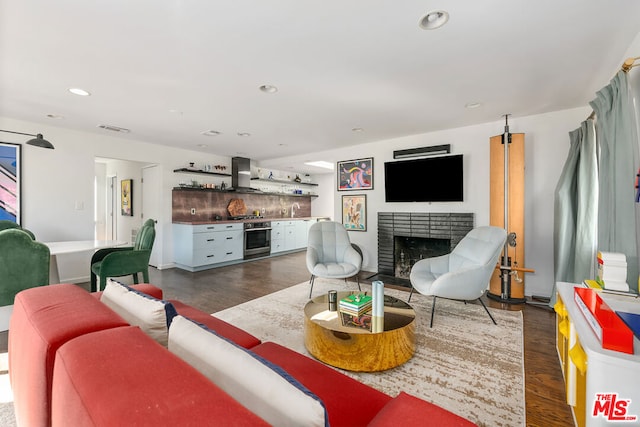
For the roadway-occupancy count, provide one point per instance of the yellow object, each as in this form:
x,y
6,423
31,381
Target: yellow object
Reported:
x,y
579,358
560,308
593,284
563,328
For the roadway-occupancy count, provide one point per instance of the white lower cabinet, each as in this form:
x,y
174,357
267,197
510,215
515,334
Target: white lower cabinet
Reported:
x,y
198,246
289,235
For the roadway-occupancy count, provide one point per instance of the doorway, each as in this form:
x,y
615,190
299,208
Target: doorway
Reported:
x,y
111,223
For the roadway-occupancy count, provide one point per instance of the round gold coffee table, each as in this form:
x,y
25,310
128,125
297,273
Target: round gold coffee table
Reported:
x,y
356,349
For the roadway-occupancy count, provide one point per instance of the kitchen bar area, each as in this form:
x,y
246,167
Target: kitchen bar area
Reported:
x,y
213,227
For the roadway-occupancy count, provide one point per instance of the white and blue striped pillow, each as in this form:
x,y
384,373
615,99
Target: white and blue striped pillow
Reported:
x,y
262,387
152,315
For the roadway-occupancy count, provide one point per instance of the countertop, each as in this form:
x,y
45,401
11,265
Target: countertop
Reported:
x,y
235,221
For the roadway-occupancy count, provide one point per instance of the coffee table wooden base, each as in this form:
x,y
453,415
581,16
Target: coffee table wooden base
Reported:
x,y
362,352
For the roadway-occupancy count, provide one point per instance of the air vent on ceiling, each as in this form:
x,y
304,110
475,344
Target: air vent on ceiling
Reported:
x,y
114,128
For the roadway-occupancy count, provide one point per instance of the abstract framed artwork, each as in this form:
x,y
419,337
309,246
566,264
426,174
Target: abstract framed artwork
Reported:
x,y
355,174
354,212
10,182
126,197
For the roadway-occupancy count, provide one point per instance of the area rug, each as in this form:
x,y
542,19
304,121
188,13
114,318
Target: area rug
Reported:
x,y
465,363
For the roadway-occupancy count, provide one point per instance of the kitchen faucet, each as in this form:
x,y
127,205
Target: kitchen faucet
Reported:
x,y
297,205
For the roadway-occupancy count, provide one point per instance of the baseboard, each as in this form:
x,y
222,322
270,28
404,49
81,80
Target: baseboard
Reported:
x,y
81,279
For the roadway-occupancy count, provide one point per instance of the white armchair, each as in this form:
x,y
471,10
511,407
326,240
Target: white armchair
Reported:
x,y
463,274
330,253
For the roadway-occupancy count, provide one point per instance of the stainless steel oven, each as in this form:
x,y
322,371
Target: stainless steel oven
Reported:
x,y
257,239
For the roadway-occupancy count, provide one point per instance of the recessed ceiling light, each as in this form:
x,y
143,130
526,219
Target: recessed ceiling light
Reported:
x,y
78,91
282,145
210,133
55,116
357,130
320,164
434,19
244,134
202,145
471,105
268,89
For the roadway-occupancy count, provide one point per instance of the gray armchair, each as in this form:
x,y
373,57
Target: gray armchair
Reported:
x,y
330,253
463,274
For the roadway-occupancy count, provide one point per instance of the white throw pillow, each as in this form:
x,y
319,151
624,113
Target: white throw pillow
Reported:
x,y
262,387
152,315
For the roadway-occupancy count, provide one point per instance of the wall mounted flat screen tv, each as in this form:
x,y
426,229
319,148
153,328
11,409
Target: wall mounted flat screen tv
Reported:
x,y
430,179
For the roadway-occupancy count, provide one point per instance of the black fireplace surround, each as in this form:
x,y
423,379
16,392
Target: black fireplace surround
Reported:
x,y
411,231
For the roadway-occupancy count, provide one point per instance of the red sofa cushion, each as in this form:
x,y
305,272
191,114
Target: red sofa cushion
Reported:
x,y
409,411
43,319
348,402
122,377
222,328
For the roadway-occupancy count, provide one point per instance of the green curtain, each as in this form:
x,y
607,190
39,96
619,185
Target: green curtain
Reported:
x,y
618,165
576,201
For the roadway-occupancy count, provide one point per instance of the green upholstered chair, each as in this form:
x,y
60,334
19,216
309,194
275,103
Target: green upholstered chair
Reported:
x,y
5,224
124,261
24,263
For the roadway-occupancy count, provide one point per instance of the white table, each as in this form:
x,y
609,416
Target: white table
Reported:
x,y
73,247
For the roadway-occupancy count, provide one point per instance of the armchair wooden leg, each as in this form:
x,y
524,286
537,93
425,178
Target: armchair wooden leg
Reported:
x,y
358,280
433,309
487,310
311,280
410,293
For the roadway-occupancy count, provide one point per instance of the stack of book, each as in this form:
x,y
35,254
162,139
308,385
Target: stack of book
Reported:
x,y
355,311
356,304
612,271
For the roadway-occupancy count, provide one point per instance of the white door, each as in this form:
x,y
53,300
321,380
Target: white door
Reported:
x,y
152,207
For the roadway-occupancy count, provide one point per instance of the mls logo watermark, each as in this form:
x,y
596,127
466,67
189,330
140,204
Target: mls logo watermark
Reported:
x,y
612,408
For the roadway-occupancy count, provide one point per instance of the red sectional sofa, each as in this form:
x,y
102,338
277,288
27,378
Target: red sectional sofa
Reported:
x,y
74,361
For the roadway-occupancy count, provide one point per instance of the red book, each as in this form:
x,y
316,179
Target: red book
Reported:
x,y
611,331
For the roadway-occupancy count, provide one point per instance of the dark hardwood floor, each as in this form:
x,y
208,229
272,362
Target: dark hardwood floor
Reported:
x,y
216,289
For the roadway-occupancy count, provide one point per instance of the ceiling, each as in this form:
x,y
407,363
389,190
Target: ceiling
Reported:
x,y
169,70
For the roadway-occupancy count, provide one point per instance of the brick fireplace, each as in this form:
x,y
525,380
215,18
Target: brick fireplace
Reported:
x,y
406,237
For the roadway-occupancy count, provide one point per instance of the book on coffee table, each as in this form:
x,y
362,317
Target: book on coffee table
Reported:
x,y
356,304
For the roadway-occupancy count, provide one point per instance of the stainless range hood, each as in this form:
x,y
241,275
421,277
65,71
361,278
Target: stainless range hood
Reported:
x,y
240,173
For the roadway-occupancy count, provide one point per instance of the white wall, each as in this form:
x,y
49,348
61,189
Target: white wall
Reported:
x,y
322,206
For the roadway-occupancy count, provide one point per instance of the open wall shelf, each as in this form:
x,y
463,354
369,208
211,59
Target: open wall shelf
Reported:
x,y
283,181
200,172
